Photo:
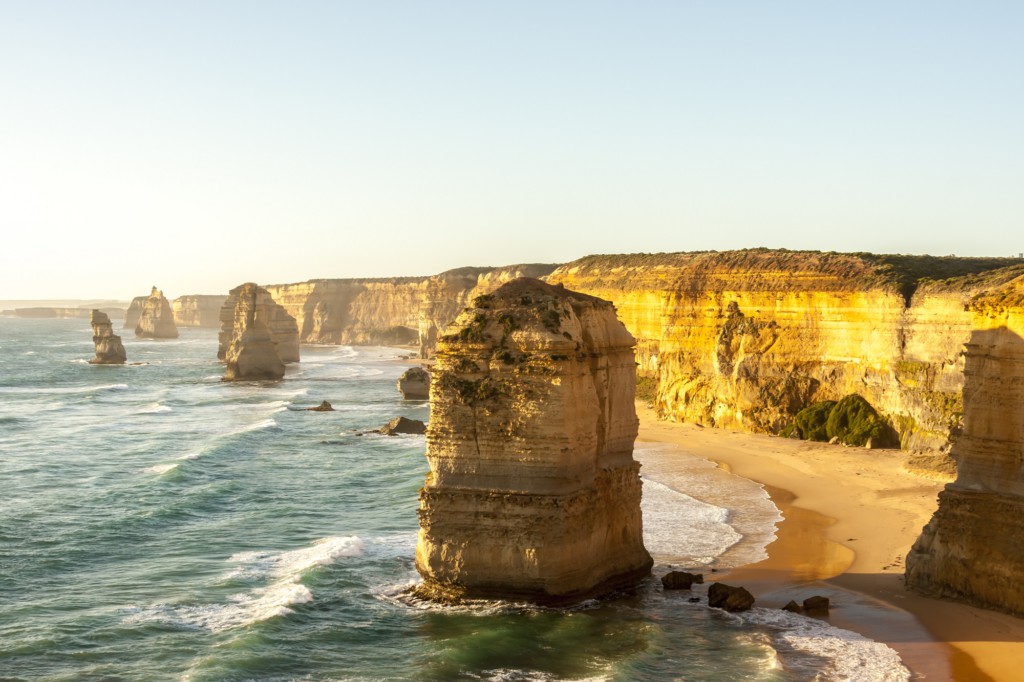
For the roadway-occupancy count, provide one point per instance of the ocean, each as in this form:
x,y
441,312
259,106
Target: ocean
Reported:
x,y
157,523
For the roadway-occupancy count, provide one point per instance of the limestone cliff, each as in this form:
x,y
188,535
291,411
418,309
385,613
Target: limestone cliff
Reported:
x,y
971,549
532,492
251,301
744,339
134,312
197,310
395,311
156,320
109,349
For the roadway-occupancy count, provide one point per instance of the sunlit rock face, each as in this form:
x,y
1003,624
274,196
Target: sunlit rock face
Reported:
x,y
109,349
134,311
973,547
196,310
533,492
389,311
156,320
745,339
257,336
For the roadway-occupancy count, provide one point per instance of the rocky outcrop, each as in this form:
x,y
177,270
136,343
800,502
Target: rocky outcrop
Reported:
x,y
251,352
156,320
745,339
414,384
971,549
533,492
134,312
403,425
681,580
109,349
729,598
389,312
253,300
197,310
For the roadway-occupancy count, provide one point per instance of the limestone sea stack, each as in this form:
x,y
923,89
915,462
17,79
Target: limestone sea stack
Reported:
x,y
109,349
257,336
156,320
533,492
414,384
972,548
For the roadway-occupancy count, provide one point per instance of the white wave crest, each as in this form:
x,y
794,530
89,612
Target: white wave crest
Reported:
x,y
160,468
852,657
154,408
681,529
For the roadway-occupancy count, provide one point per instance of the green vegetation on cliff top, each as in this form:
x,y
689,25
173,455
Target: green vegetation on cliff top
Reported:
x,y
898,272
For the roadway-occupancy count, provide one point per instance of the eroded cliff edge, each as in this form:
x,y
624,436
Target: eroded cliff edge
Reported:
x,y
532,492
971,549
745,339
156,320
389,311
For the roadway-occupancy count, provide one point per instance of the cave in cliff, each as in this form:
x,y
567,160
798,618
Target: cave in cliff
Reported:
x,y
533,492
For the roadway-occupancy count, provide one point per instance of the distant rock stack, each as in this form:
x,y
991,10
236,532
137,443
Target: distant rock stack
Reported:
x,y
257,337
134,312
156,321
972,548
109,349
533,492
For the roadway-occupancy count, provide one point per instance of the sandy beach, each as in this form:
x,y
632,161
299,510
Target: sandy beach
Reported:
x,y
850,517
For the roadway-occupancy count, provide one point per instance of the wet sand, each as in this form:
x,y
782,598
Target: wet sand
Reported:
x,y
850,517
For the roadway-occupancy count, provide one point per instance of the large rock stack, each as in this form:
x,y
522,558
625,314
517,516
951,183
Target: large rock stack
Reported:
x,y
109,349
972,548
533,492
156,320
257,337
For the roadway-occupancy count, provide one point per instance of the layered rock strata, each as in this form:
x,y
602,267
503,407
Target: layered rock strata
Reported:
x,y
251,348
414,384
389,312
745,339
972,548
533,492
109,349
253,299
196,310
156,320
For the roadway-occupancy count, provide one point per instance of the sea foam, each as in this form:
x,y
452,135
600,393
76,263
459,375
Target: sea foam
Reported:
x,y
681,529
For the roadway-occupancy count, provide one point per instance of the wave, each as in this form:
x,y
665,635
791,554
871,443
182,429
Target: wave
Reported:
x,y
285,569
74,390
154,408
850,656
681,529
160,468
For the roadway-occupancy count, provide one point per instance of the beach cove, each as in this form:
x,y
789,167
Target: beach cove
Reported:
x,y
850,516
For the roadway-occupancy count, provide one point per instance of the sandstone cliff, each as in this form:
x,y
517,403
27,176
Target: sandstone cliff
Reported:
x,y
532,492
198,310
250,301
156,320
396,311
109,349
971,549
744,339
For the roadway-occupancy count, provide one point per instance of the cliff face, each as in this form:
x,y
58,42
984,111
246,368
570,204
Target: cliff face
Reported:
x,y
156,320
134,311
971,549
109,349
745,339
198,310
397,311
533,492
249,307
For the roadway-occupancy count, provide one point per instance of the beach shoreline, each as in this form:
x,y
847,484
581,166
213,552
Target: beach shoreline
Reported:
x,y
850,515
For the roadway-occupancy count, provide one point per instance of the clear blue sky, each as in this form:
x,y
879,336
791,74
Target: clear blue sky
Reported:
x,y
197,145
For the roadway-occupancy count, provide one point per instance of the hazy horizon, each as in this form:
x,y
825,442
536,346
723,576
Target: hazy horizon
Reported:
x,y
196,146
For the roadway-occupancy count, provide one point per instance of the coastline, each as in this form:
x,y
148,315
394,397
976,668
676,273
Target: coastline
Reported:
x,y
850,516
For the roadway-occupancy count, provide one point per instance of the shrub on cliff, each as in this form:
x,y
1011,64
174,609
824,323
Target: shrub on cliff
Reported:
x,y
852,420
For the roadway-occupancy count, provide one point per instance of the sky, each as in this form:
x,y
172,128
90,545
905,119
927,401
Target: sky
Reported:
x,y
196,145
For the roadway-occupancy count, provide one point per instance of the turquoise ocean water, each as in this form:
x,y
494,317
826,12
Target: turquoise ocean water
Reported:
x,y
157,523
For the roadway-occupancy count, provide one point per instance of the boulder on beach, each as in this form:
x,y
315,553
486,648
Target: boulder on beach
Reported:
x,y
680,580
816,606
729,598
